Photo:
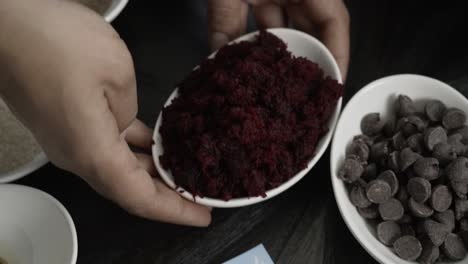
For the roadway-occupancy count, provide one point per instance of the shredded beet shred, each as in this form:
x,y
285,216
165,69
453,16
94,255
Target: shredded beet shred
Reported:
x,y
247,120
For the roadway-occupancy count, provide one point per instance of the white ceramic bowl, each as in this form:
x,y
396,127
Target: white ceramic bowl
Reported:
x,y
35,228
379,96
300,44
115,9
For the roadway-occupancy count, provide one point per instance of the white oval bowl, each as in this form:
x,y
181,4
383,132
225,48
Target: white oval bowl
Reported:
x,y
35,228
300,45
379,96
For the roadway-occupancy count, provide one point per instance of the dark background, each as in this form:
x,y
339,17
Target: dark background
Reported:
x,y
302,225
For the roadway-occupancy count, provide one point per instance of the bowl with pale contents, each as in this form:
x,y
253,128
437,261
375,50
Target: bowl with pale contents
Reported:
x,y
20,154
399,160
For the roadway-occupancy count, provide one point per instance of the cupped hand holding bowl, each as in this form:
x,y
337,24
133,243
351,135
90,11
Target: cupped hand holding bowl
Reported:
x,y
79,99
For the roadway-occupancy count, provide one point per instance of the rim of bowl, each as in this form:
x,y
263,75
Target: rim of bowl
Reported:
x,y
26,169
113,12
57,204
354,228
243,201
37,162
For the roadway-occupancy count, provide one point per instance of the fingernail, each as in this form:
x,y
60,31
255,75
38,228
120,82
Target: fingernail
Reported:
x,y
217,40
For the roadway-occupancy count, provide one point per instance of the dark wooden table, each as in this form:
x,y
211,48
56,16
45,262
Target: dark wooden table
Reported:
x,y
302,225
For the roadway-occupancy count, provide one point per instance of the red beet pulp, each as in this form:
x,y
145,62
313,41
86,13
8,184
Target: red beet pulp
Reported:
x,y
247,120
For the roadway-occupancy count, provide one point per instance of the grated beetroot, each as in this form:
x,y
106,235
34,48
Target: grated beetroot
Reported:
x,y
247,120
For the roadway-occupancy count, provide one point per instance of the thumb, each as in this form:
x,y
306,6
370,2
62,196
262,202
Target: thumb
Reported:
x,y
125,178
227,19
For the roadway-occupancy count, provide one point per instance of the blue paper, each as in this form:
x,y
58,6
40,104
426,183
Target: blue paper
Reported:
x,y
257,255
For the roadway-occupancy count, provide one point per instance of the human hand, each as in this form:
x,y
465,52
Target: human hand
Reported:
x,y
327,19
70,79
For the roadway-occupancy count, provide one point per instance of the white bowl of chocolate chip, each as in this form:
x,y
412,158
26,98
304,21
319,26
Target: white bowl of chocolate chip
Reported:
x,y
400,170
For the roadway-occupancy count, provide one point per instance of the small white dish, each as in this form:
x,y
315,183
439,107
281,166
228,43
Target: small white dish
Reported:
x,y
35,228
301,45
114,9
379,96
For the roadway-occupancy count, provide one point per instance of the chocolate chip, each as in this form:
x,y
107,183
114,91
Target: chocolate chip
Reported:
x,y
436,231
411,125
405,106
368,140
356,158
378,191
460,188
399,141
427,168
358,197
391,210
388,232
455,140
454,118
371,124
390,127
370,172
453,247
461,207
457,170
430,253
463,224
441,198
416,142
464,132
417,122
419,209
408,247
360,149
390,177
447,218
435,110
403,196
370,212
419,189
379,150
406,127
444,153
393,161
434,136
351,171
407,158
